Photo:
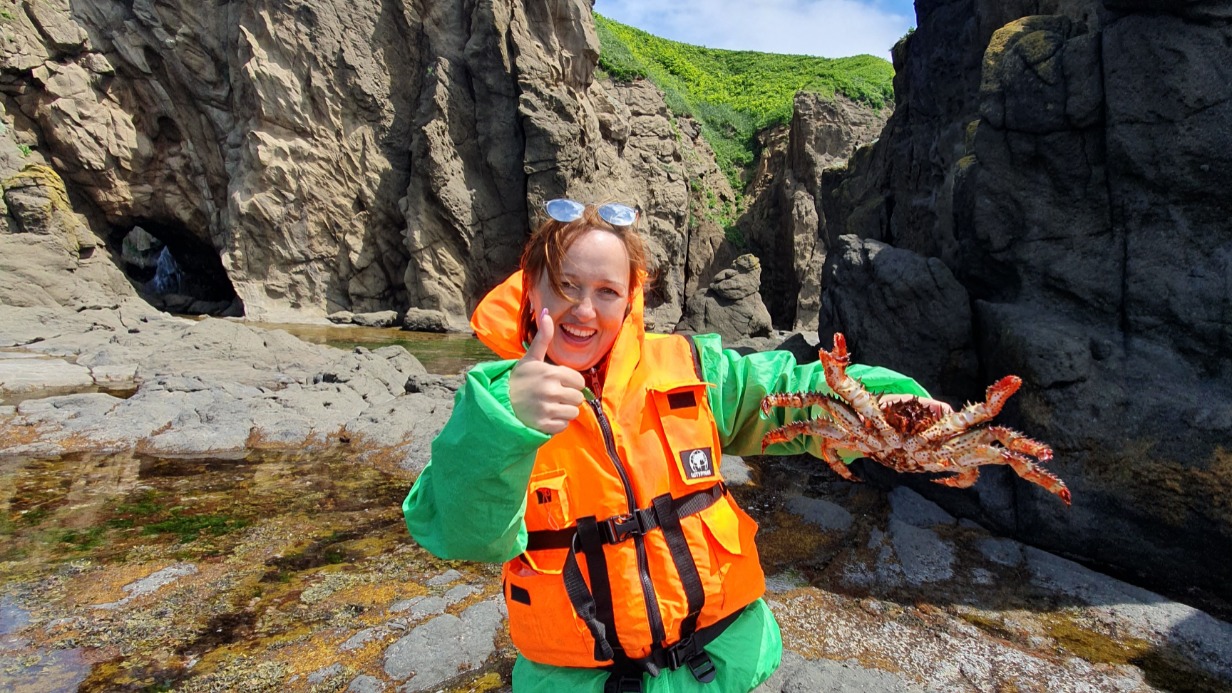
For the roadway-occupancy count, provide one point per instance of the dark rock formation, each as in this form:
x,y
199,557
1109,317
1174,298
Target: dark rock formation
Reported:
x,y
1067,162
784,218
908,310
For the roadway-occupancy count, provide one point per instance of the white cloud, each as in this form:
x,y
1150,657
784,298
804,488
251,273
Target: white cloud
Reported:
x,y
828,28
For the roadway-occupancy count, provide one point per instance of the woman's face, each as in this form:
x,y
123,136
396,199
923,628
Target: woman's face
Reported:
x,y
595,277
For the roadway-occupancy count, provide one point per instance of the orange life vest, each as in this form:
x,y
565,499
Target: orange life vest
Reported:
x,y
634,541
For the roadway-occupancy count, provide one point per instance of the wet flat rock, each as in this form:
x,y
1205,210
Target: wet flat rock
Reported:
x,y
328,592
205,387
24,373
946,606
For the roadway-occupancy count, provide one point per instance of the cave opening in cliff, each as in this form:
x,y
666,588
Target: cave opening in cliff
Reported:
x,y
176,271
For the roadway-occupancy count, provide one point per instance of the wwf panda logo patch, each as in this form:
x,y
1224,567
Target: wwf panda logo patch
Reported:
x,y
697,463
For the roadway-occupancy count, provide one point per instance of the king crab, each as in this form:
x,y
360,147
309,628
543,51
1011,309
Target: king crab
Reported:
x,y
908,436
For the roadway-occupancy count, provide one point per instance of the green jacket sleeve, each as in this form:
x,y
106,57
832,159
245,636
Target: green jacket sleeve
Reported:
x,y
469,500
739,382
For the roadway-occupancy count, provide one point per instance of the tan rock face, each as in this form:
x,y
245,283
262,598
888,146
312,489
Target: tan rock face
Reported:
x,y
732,306
351,156
267,133
47,253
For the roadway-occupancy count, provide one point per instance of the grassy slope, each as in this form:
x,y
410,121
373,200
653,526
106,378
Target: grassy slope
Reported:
x,y
734,94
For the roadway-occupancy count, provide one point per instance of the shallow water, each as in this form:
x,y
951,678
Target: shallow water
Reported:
x,y
131,572
444,354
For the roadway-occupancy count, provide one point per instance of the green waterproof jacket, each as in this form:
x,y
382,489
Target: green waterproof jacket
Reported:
x,y
469,501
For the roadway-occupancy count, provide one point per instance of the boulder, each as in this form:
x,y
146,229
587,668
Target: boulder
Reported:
x,y
420,320
900,310
732,305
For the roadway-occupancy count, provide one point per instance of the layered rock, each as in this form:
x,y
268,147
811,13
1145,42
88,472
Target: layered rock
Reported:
x,y
731,306
314,158
258,140
48,255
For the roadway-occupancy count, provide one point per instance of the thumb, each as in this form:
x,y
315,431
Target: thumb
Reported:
x,y
538,349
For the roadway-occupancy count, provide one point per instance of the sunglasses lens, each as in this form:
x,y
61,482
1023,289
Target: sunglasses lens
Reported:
x,y
618,214
564,211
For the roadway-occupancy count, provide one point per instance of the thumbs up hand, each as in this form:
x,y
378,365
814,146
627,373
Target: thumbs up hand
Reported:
x,y
544,396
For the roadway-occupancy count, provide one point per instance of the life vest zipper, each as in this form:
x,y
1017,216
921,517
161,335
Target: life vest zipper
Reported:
x,y
657,631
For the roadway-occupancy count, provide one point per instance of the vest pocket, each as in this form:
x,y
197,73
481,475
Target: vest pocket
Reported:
x,y
734,563
542,622
547,500
728,525
684,417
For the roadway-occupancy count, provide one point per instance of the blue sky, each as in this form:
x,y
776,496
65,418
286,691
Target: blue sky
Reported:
x,y
828,28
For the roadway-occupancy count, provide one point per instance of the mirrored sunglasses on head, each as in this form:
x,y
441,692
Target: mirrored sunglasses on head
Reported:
x,y
614,213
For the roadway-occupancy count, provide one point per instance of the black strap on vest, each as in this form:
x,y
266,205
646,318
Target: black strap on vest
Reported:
x,y
621,527
681,556
625,675
590,542
594,604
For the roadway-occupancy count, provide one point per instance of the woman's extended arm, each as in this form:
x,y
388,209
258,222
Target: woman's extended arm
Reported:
x,y
741,382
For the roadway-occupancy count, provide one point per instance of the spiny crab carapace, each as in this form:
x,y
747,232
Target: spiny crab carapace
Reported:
x,y
908,436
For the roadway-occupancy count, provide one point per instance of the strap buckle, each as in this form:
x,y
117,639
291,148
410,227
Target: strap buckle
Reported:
x,y
703,669
621,527
617,683
689,652
679,654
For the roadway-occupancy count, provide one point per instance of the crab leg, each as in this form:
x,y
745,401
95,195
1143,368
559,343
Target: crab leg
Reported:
x,y
972,455
836,463
963,479
1028,470
817,427
964,444
855,433
795,400
976,413
814,427
1019,443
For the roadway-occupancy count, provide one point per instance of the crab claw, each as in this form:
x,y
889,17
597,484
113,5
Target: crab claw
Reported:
x,y
1000,391
838,355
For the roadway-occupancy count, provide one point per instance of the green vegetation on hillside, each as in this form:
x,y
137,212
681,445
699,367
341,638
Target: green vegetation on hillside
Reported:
x,y
734,94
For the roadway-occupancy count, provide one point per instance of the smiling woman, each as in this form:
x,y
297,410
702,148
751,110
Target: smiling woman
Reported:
x,y
593,303
589,462
581,297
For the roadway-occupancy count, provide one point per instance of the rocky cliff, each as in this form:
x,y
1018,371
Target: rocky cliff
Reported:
x,y
300,159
